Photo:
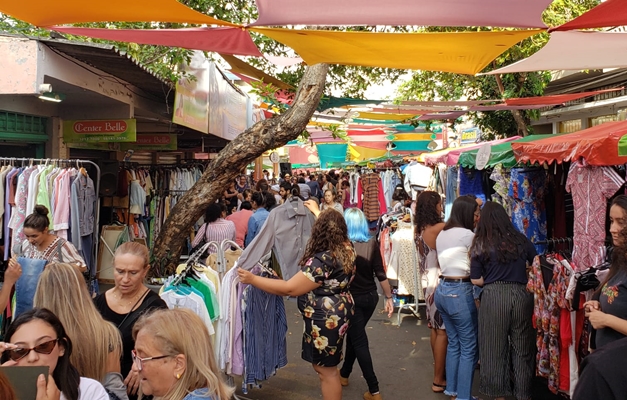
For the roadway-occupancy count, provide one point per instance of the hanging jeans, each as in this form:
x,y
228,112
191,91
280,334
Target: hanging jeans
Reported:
x,y
357,340
456,304
27,283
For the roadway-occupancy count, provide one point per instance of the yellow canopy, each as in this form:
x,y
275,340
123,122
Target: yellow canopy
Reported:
x,y
359,153
244,68
48,13
412,136
459,52
384,117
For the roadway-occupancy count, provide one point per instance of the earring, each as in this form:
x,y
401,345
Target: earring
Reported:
x,y
178,376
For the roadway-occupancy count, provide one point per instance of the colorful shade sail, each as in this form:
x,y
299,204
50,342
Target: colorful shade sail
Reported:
x,y
597,145
366,153
458,103
608,13
555,99
574,51
443,115
45,13
499,154
459,52
331,153
414,111
241,67
505,107
384,117
332,102
226,40
513,13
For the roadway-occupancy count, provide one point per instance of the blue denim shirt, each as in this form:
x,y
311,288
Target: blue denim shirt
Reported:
x,y
255,223
199,394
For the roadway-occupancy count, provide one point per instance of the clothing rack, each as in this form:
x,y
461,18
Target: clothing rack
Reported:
x,y
415,306
77,163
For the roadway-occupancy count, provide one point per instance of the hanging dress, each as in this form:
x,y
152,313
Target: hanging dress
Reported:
x,y
429,277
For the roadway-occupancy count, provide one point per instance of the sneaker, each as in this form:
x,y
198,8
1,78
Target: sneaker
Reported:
x,y
370,396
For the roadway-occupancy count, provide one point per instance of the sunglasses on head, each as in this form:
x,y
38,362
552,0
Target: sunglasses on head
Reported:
x,y
42,348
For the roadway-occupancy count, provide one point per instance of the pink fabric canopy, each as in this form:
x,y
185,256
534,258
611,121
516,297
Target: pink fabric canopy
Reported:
x,y
414,111
555,99
444,115
505,107
511,13
365,132
225,40
574,51
606,14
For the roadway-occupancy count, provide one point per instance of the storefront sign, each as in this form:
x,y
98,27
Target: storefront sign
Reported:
x,y
154,141
99,131
470,135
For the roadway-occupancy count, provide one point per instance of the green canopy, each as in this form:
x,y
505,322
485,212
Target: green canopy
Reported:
x,y
500,153
327,102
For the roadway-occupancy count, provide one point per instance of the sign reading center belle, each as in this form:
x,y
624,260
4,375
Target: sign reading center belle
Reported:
x,y
99,131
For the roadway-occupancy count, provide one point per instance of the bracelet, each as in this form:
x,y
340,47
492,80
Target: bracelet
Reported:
x,y
388,298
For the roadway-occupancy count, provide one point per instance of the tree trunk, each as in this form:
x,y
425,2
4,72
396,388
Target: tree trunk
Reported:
x,y
250,144
522,129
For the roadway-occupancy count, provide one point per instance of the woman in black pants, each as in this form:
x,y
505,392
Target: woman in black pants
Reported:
x,y
364,290
499,257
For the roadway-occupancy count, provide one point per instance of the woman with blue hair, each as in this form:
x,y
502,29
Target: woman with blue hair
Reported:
x,y
369,265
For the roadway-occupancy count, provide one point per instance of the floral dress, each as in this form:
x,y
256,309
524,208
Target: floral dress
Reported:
x,y
326,310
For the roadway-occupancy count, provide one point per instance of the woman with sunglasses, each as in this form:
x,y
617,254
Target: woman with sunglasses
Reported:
x,y
173,356
37,338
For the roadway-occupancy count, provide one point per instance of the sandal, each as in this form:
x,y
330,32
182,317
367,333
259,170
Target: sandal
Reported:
x,y
440,388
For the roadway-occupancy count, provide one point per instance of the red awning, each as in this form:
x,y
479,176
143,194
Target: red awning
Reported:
x,y
225,40
554,99
597,145
607,14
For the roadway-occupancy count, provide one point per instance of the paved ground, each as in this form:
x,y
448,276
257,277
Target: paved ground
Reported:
x,y
401,355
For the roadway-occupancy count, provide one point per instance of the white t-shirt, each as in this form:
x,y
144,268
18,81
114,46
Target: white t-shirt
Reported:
x,y
90,389
453,246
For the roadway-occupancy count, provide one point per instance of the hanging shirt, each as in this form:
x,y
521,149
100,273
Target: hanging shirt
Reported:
x,y
287,230
471,182
190,301
417,177
18,213
590,187
527,188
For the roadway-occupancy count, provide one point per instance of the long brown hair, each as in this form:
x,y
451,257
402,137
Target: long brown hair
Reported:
x,y
330,233
619,254
6,390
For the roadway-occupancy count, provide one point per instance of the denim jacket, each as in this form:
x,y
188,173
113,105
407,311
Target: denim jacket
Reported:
x,y
199,394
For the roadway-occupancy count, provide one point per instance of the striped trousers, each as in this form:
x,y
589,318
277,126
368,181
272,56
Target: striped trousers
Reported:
x,y
506,340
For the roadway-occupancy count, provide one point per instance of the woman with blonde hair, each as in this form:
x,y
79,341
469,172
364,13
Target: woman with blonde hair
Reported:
x,y
174,357
97,343
127,301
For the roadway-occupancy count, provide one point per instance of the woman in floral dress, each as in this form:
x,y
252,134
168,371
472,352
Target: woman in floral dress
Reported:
x,y
323,297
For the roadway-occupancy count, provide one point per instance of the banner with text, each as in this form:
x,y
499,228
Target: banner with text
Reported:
x,y
152,141
191,103
99,131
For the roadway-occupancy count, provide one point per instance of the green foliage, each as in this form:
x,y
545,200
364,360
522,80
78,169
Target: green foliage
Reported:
x,y
431,85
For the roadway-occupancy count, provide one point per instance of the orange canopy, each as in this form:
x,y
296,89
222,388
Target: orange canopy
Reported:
x,y
597,145
47,13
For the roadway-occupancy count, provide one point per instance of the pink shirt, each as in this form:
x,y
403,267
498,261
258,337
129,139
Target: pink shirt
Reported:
x,y
240,219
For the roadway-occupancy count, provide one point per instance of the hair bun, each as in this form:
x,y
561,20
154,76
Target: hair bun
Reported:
x,y
41,210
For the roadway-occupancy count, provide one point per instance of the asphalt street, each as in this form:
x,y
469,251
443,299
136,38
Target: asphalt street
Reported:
x,y
401,355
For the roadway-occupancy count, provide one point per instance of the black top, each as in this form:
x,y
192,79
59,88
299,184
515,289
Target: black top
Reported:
x,y
368,264
127,334
493,271
613,301
601,375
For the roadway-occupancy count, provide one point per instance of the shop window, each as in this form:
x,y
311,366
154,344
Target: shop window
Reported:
x,y
602,119
573,125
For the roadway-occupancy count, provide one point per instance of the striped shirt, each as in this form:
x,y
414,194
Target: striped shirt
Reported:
x,y
60,250
265,330
215,232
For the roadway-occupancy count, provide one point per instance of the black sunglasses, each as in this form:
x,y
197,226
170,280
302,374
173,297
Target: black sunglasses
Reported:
x,y
42,348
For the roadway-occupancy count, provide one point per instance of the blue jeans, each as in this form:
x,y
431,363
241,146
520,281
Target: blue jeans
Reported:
x,y
27,283
456,304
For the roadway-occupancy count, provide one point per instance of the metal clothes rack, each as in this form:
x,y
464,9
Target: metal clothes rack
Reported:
x,y
69,163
